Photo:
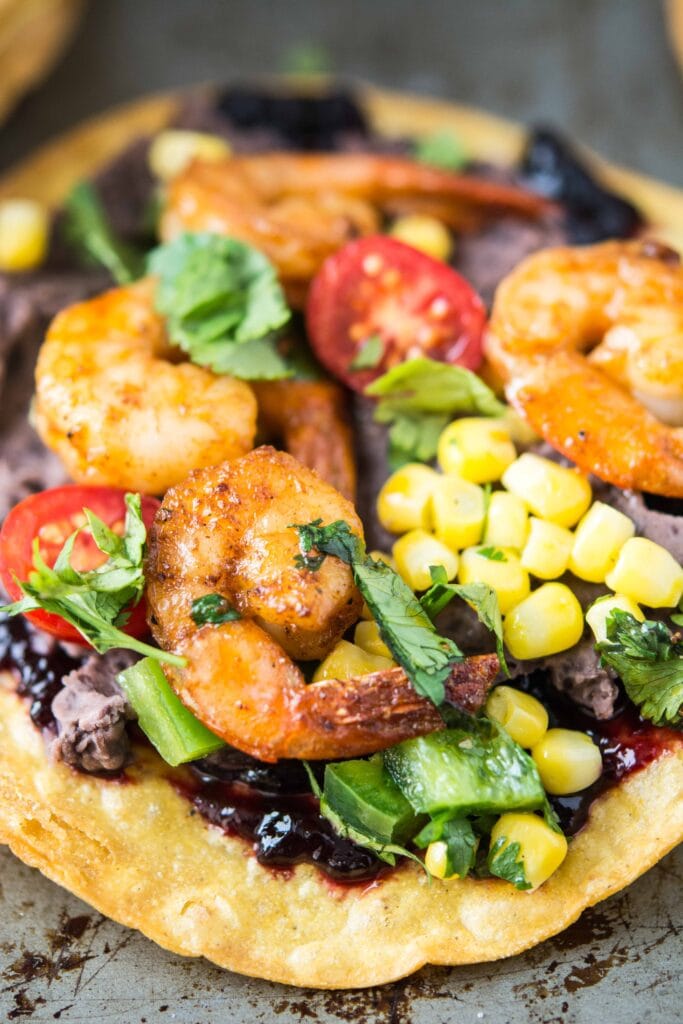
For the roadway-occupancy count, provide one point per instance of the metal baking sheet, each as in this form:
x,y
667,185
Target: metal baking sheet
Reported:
x,y
62,961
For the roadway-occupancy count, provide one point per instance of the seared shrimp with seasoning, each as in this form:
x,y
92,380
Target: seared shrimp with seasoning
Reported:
x,y
228,530
300,208
589,343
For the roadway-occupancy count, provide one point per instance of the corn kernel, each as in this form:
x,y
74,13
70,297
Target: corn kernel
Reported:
x,y
541,849
347,660
507,521
382,556
520,714
546,552
436,860
172,150
599,538
425,233
24,230
366,636
567,761
548,621
404,501
414,552
647,573
458,510
552,492
599,612
501,569
476,449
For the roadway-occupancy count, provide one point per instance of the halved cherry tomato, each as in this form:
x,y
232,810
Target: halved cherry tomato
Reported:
x,y
377,302
52,516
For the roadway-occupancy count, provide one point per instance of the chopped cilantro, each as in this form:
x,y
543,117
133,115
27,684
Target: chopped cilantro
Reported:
x,y
87,229
441,149
222,303
95,602
369,354
493,554
504,863
461,842
213,609
418,398
648,658
480,596
404,626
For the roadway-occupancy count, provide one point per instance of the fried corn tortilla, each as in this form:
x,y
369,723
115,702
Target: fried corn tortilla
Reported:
x,y
138,853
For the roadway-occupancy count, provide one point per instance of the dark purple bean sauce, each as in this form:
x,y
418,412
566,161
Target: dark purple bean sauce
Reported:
x,y
39,662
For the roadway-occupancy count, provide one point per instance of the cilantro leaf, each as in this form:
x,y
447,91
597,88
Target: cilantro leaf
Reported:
x,y
369,354
648,659
219,294
441,149
480,596
95,602
504,863
214,609
493,554
461,842
86,228
405,628
418,398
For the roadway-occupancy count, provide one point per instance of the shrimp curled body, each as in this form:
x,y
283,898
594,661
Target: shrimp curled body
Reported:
x,y
300,208
227,530
116,408
589,343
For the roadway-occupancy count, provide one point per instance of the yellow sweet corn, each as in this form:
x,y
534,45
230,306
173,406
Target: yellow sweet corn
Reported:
x,y
425,233
599,538
567,761
599,611
476,449
404,501
458,510
647,573
552,492
500,568
546,552
520,714
415,552
541,849
507,521
24,231
547,621
436,860
520,431
382,556
366,636
172,150
347,660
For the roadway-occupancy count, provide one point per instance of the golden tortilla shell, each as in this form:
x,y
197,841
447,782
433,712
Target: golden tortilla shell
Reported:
x,y
137,853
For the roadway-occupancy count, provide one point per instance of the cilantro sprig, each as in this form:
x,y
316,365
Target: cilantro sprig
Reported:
x,y
460,841
504,861
406,629
214,610
87,229
222,303
95,602
419,397
480,596
648,658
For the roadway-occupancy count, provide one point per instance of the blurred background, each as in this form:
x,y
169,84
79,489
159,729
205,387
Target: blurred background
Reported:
x,y
605,70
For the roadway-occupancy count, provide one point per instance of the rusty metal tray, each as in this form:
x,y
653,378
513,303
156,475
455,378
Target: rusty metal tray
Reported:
x,y
62,961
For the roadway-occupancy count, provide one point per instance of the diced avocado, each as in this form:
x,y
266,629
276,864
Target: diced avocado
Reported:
x,y
465,771
362,795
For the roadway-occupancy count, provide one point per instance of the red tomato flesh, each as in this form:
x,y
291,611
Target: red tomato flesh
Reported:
x,y
378,287
52,516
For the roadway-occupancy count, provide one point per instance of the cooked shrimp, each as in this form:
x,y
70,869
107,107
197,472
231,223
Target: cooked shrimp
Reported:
x,y
116,408
299,208
227,530
589,343
311,420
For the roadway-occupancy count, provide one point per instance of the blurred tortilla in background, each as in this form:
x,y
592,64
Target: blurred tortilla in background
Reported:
x,y
33,34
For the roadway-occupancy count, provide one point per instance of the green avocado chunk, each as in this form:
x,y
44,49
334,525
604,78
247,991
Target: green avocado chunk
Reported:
x,y
363,795
477,770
